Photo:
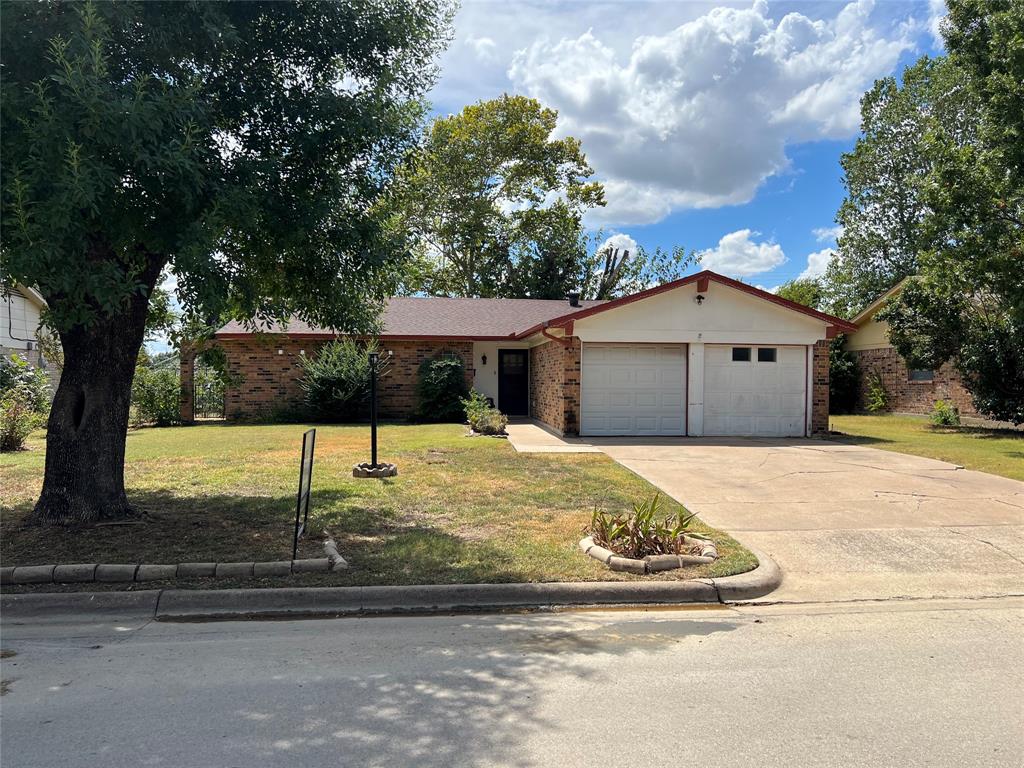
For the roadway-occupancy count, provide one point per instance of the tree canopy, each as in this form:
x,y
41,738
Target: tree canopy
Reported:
x,y
495,202
246,145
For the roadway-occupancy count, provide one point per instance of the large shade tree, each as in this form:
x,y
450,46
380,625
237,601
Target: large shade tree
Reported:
x,y
496,202
244,145
966,304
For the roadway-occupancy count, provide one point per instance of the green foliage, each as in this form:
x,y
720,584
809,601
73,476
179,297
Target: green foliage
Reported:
x,y
878,396
843,377
804,291
945,414
156,395
441,389
883,212
27,383
612,272
483,419
642,532
498,201
17,419
335,381
129,143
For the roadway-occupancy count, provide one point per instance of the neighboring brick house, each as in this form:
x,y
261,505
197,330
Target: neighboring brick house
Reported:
x,y
908,391
703,355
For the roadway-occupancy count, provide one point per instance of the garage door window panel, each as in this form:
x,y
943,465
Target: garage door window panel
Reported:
x,y
741,354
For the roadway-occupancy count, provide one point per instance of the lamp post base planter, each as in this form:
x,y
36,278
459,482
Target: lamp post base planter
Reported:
x,y
374,470
707,553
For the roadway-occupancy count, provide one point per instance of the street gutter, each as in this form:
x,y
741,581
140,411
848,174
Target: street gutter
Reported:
x,y
326,602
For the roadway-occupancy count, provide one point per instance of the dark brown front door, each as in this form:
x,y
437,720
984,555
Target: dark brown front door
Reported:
x,y
514,382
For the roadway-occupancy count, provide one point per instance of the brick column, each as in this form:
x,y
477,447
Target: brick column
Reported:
x,y
571,386
819,393
186,400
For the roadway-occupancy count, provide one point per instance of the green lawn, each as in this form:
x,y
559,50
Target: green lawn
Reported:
x,y
463,509
999,451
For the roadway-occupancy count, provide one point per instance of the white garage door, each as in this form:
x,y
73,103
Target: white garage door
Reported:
x,y
751,390
633,389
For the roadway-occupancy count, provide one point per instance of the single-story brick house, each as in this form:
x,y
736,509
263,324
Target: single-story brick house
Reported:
x,y
703,355
909,390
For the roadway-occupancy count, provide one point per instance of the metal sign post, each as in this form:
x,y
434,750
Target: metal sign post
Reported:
x,y
373,409
305,483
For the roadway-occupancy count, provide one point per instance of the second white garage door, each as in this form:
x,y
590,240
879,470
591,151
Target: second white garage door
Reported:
x,y
751,390
633,389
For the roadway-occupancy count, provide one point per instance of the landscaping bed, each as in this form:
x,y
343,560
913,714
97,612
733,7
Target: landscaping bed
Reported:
x,y
999,451
462,510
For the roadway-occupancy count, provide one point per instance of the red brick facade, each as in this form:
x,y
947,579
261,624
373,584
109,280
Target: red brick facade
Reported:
x,y
267,370
906,396
819,389
555,385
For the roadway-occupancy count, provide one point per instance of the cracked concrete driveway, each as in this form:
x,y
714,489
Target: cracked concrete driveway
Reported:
x,y
846,522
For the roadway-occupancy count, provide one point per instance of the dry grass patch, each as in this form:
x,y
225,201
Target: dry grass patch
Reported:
x,y
461,510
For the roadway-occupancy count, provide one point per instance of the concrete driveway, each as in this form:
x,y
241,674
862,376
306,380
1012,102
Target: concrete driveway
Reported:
x,y
846,522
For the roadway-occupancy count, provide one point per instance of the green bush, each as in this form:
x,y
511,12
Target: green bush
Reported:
x,y
945,414
878,397
335,381
482,417
441,388
156,396
641,532
17,419
32,383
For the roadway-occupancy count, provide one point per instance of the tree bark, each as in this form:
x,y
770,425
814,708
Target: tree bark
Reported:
x,y
88,423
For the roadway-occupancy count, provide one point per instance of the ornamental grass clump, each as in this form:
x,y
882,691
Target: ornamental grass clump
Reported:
x,y
643,531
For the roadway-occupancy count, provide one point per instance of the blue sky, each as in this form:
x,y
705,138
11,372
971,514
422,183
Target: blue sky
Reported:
x,y
715,126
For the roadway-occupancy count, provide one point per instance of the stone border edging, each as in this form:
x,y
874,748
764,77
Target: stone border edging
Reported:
x,y
650,563
80,573
184,604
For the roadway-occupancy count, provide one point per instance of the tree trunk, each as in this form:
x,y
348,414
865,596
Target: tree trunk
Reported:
x,y
88,424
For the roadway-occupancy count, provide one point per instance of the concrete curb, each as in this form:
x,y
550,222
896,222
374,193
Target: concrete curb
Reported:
x,y
195,605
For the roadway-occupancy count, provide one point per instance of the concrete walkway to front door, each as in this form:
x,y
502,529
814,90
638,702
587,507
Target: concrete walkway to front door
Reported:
x,y
846,522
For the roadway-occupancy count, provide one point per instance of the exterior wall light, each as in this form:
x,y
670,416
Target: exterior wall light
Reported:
x,y
699,298
483,359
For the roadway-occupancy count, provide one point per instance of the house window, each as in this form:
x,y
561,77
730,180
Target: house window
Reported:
x,y
766,354
741,354
920,375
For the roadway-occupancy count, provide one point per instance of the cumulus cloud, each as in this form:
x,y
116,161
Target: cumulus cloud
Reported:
x,y
827,234
700,116
484,48
936,13
817,262
621,241
738,255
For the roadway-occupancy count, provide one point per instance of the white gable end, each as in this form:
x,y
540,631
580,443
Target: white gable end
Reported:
x,y
726,316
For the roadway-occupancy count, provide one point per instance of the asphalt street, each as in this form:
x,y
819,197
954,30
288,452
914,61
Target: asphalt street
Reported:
x,y
893,683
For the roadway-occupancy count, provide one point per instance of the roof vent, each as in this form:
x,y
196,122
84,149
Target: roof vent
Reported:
x,y
574,299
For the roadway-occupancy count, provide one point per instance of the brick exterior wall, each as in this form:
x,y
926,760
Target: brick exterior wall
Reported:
x,y
555,385
546,392
819,389
571,376
269,381
906,396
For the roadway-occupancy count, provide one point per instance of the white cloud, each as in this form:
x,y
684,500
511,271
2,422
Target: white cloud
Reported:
x,y
936,14
700,115
484,48
736,254
817,262
827,234
620,241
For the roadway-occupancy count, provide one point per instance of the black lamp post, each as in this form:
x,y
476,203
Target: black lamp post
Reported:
x,y
373,409
374,469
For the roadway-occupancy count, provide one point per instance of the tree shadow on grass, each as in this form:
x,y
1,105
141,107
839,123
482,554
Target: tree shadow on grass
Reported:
x,y
381,545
